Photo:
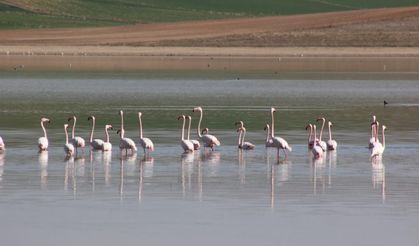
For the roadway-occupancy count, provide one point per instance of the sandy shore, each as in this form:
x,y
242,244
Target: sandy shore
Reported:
x,y
251,60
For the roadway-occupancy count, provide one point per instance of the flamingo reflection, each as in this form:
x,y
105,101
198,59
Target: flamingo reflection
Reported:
x,y
379,176
43,165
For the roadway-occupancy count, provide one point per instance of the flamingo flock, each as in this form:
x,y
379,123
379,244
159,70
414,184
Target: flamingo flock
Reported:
x,y
315,143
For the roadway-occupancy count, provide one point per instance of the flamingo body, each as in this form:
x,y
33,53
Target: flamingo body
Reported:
x,y
147,144
97,144
2,145
317,151
43,143
332,144
107,146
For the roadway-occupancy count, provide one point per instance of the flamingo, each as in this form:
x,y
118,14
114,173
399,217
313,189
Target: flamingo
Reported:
x,y
68,148
268,142
78,142
187,145
242,144
310,142
379,148
278,142
125,143
43,141
107,146
146,143
96,144
322,144
373,132
2,145
317,149
196,144
331,143
208,140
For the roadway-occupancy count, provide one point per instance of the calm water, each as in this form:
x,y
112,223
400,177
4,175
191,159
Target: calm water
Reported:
x,y
209,198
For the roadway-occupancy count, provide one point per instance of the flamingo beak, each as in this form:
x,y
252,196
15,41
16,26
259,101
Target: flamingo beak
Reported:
x,y
89,118
69,119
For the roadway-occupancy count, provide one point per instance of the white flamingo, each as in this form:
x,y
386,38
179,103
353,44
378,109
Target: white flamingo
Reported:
x,y
373,132
196,144
331,143
242,144
310,142
278,142
125,143
43,141
379,148
317,149
96,144
208,140
2,145
146,143
107,146
187,145
78,142
268,142
322,144
68,148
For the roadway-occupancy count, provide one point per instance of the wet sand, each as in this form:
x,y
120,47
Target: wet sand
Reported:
x,y
258,60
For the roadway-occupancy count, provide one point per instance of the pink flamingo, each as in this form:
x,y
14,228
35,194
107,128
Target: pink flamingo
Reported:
x,y
125,143
331,143
310,141
278,142
208,140
78,142
268,141
187,145
317,149
322,144
42,141
196,144
379,148
68,148
107,146
96,144
146,143
242,144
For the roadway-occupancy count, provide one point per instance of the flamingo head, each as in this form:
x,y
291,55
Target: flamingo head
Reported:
x,y
181,117
321,119
309,126
65,126
139,114
109,127
71,118
121,112
330,123
205,131
189,117
273,109
239,123
43,119
119,131
91,118
374,118
384,127
197,109
266,127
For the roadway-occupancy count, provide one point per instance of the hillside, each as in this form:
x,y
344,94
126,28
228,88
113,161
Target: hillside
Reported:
x,y
90,13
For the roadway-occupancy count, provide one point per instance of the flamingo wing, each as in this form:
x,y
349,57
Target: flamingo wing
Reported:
x,y
146,143
43,143
187,145
210,140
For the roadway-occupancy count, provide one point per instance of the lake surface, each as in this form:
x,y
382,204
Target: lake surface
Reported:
x,y
222,197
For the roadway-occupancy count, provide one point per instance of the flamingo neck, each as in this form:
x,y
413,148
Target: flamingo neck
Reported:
x,y
383,138
330,133
43,128
272,124
240,138
183,129
93,129
199,123
74,126
377,126
267,133
66,135
107,134
315,134
122,126
140,124
189,127
372,130
321,130
310,133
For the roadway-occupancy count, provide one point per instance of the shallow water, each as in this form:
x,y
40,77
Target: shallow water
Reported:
x,y
220,197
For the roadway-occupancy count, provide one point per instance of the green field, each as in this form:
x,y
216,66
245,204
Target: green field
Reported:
x,y
77,13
